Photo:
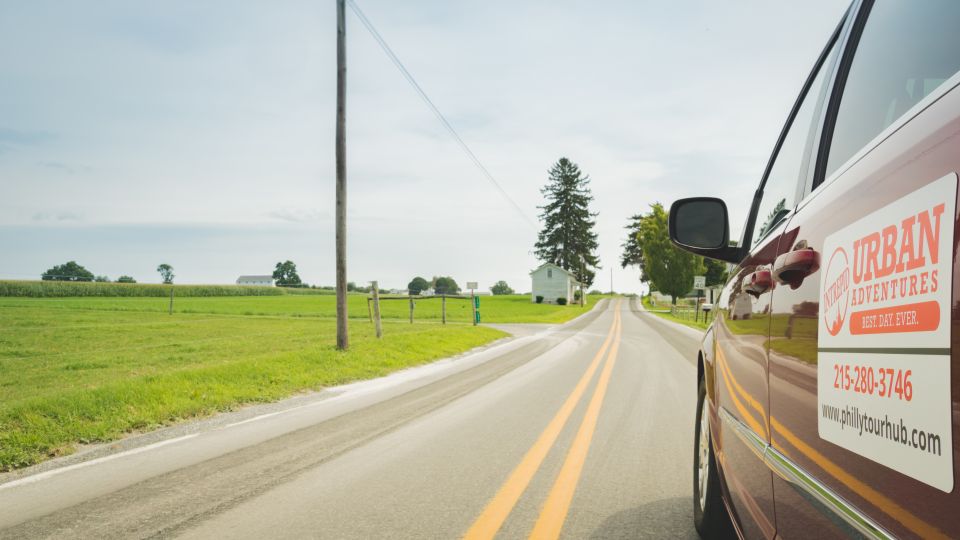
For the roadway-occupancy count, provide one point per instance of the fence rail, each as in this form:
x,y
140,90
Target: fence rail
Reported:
x,y
691,313
373,305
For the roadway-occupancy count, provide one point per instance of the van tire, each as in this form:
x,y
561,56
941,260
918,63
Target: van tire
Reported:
x,y
709,515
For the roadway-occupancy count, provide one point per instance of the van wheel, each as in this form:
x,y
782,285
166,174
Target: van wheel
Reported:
x,y
709,514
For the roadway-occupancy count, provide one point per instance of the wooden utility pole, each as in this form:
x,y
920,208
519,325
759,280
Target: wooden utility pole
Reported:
x,y
411,310
443,308
343,338
171,299
376,309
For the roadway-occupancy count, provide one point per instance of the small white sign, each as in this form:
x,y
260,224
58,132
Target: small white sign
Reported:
x,y
699,282
472,285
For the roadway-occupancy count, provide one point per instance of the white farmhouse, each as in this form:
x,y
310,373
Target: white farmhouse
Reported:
x,y
255,280
552,282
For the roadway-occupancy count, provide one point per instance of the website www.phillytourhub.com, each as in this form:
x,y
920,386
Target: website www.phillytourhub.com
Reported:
x,y
893,430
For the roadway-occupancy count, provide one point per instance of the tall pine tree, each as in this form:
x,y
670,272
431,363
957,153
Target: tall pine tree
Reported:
x,y
567,239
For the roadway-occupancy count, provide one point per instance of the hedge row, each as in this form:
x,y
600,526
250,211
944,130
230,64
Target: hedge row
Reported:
x,y
87,288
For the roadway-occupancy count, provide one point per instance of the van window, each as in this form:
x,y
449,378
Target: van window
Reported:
x,y
781,186
906,51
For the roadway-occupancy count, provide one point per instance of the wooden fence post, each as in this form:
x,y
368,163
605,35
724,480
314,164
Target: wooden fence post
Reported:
x,y
443,308
369,313
411,310
376,309
171,299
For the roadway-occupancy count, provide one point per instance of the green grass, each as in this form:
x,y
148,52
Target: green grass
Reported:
x,y
82,376
493,309
92,369
663,311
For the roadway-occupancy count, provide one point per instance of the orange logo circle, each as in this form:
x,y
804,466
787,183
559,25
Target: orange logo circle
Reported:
x,y
835,297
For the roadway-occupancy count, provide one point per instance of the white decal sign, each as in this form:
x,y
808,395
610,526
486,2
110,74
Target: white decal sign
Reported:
x,y
883,372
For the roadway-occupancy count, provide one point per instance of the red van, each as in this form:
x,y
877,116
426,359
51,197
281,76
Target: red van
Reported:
x,y
829,402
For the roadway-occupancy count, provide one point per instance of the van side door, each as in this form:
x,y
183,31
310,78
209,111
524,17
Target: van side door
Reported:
x,y
863,384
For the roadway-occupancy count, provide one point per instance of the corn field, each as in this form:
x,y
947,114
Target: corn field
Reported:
x,y
55,289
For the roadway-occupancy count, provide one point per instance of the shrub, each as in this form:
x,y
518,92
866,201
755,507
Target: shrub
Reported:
x,y
501,287
70,271
416,285
561,301
539,299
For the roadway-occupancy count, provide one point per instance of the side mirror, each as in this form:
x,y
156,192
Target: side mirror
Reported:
x,y
700,225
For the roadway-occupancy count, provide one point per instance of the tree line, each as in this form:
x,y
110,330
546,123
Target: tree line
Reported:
x,y
665,267
72,271
567,238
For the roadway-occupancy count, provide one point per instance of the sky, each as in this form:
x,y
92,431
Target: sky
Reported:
x,y
201,134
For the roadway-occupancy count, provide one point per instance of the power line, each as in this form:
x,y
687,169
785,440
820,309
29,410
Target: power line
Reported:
x,y
426,99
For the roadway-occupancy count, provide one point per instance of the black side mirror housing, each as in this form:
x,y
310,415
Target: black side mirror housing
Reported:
x,y
700,225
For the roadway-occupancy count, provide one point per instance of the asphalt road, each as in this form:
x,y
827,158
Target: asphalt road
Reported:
x,y
582,431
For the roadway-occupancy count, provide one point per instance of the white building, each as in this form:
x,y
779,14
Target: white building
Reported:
x,y
266,281
552,282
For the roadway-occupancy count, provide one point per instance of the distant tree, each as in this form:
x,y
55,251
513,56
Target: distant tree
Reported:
x,y
501,287
166,272
126,279
671,269
102,279
445,285
285,274
70,271
632,250
416,285
716,272
567,238
351,286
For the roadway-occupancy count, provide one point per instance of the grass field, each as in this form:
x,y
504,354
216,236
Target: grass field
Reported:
x,y
663,310
493,309
84,370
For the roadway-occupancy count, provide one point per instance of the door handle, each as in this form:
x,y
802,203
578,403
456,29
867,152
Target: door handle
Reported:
x,y
792,267
758,282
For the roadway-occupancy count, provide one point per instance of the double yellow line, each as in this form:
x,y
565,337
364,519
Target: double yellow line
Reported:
x,y
554,511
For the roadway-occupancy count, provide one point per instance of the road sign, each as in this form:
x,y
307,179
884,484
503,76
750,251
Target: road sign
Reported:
x,y
472,285
699,282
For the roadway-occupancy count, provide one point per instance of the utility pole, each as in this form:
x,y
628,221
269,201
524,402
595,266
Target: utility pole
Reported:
x,y
343,338
376,309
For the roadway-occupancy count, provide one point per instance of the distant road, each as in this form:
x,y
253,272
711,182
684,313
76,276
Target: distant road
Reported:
x,y
547,434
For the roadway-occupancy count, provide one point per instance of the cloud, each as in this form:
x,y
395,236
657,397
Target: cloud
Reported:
x,y
61,166
298,215
12,136
62,216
